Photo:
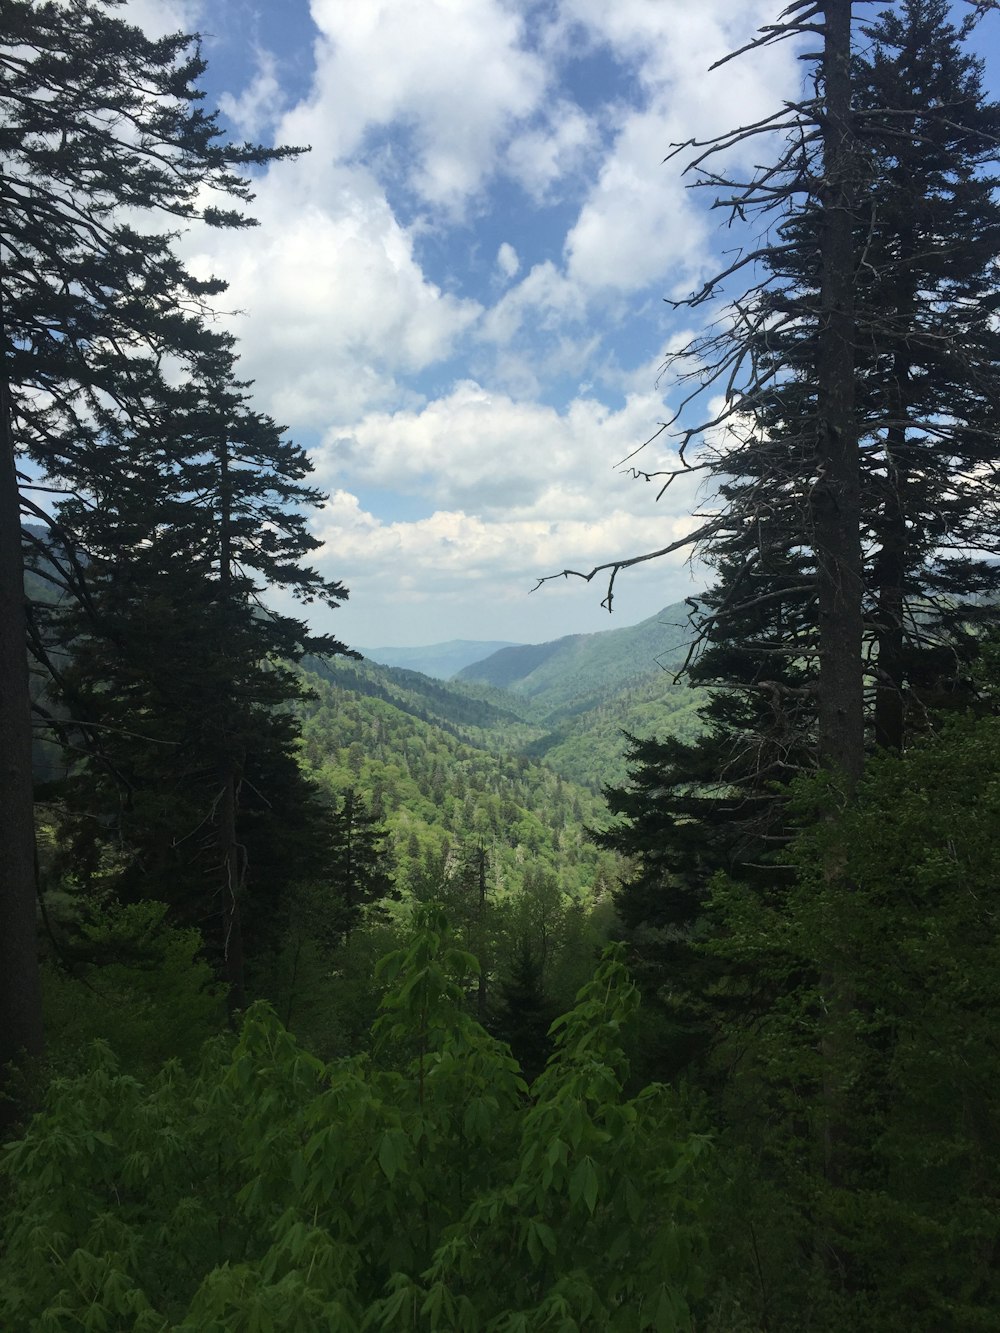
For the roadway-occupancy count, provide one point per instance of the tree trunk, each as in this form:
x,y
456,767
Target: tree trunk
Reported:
x,y
20,986
233,859
837,547
837,493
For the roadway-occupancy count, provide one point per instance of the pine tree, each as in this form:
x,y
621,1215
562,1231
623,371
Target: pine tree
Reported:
x,y
95,119
926,388
359,869
178,665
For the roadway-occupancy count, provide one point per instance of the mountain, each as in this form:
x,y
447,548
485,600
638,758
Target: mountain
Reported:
x,y
440,660
447,774
566,703
576,671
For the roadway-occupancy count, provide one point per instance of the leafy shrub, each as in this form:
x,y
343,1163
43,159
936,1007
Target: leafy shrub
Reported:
x,y
137,981
425,1188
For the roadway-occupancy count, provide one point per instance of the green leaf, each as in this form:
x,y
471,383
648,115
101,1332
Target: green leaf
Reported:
x,y
583,1184
389,1156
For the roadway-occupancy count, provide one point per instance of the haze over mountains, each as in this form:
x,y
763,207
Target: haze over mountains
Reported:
x,y
628,653
438,660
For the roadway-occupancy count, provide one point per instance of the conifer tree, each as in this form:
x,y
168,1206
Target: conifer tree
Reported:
x,y
177,664
95,119
359,868
925,351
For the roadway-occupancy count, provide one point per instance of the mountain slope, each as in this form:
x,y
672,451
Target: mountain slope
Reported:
x,y
568,702
486,718
575,672
445,783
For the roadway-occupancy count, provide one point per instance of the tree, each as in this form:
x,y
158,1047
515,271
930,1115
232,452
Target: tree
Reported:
x,y
455,1200
179,667
925,352
360,867
96,119
913,1212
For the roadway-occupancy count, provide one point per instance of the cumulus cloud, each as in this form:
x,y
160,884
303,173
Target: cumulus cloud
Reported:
x,y
637,224
425,570
512,491
419,379
540,157
158,18
259,105
544,298
507,260
339,308
455,75
481,450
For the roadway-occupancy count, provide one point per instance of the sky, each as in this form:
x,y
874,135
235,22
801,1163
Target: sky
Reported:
x,y
457,301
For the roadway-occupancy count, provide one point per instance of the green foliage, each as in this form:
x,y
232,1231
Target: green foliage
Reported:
x,y
571,714
320,981
904,1072
133,980
174,502
575,671
359,866
423,1189
441,786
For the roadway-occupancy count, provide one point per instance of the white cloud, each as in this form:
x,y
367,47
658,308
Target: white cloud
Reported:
x,y
507,260
485,570
339,309
539,157
456,75
260,103
414,112
544,298
638,223
158,18
488,453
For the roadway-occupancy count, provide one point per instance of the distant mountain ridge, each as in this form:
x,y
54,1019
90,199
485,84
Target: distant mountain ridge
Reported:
x,y
566,702
583,691
438,660
576,671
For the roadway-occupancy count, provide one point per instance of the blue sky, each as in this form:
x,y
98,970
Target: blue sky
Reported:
x,y
455,300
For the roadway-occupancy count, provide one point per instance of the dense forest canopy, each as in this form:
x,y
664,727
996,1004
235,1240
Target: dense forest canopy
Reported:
x,y
639,980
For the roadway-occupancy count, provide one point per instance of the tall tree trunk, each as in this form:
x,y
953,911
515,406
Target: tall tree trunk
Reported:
x,y
837,494
232,854
20,986
837,547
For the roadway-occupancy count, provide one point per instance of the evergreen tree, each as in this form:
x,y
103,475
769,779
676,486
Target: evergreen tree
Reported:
x,y
97,123
524,1012
180,670
925,353
359,869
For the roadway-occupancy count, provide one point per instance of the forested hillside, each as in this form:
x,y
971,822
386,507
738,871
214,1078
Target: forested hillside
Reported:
x,y
573,671
444,773
573,711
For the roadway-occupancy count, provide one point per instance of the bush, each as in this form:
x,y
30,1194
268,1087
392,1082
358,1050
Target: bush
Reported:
x,y
423,1189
